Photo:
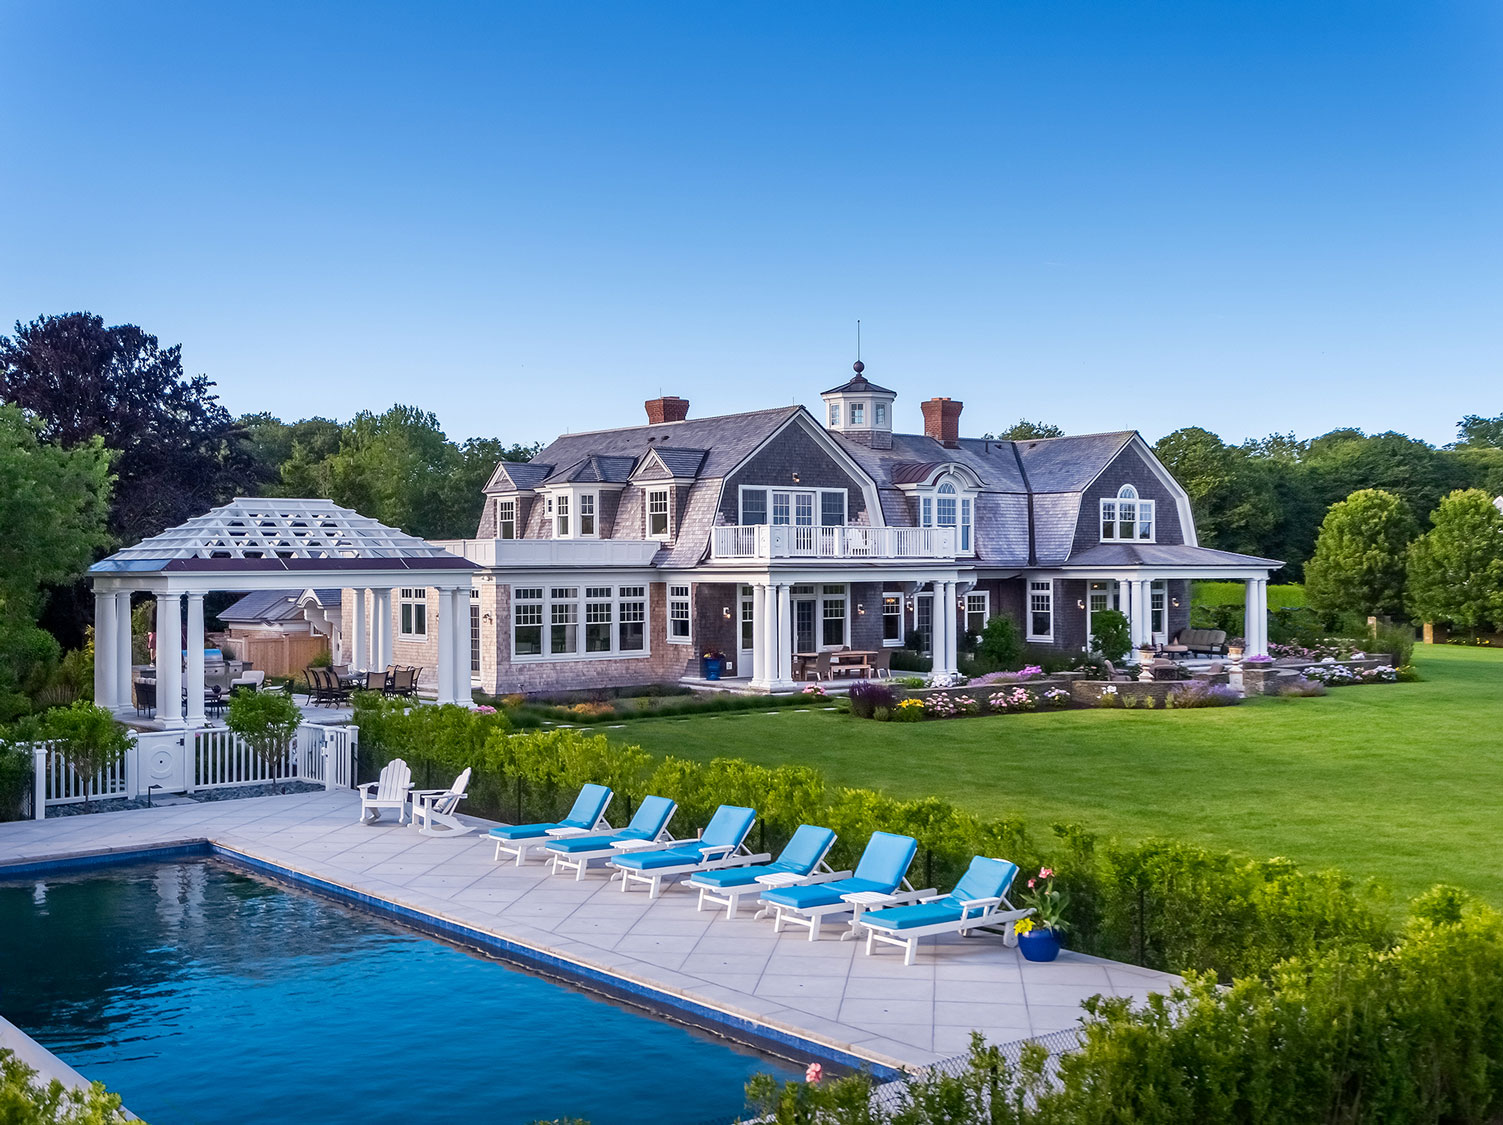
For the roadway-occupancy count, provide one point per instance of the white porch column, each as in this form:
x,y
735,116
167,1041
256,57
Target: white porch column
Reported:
x,y
952,627
106,678
446,646
170,660
195,646
1137,613
122,654
359,649
942,624
1145,599
1255,626
463,689
382,627
760,633
782,653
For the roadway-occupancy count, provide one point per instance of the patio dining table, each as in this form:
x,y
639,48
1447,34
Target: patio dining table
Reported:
x,y
843,662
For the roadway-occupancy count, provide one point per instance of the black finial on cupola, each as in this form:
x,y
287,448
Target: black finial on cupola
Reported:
x,y
858,367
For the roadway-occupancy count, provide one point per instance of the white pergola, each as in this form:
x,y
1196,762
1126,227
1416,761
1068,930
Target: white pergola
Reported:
x,y
269,544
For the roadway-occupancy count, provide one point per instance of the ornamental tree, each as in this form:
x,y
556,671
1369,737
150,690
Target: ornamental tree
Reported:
x,y
1456,568
1359,555
1111,636
267,720
88,738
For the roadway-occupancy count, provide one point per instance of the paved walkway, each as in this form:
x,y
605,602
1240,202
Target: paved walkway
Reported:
x,y
829,992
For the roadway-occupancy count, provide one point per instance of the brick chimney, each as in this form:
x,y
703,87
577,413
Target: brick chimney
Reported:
x,y
669,408
942,421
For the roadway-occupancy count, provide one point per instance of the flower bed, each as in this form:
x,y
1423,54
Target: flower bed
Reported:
x,y
956,703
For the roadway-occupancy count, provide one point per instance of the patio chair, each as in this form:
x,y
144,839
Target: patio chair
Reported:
x,y
880,879
976,901
819,667
146,696
649,826
403,681
720,845
376,681
248,681
881,664
433,809
797,863
335,693
586,815
389,791
1114,674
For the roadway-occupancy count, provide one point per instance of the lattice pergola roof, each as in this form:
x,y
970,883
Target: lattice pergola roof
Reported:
x,y
251,532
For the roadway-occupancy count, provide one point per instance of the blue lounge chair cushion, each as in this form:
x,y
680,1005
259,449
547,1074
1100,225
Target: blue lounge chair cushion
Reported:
x,y
730,876
886,859
569,845
729,825
985,878
911,917
521,831
820,894
588,808
808,846
681,856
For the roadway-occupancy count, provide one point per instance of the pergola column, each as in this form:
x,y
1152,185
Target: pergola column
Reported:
x,y
106,675
760,634
382,623
782,652
170,660
359,648
195,646
462,686
1255,626
122,654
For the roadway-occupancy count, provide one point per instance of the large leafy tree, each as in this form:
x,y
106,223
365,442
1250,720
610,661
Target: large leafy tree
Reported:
x,y
1456,568
1358,565
53,504
1024,430
175,455
1231,495
1476,432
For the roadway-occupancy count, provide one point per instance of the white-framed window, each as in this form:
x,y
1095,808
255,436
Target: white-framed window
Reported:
x,y
834,413
657,513
947,507
977,607
578,622
527,621
832,628
474,632
892,618
1127,517
586,513
828,507
879,414
678,615
632,610
1158,598
858,414
506,519
1040,610
413,613
748,618
561,517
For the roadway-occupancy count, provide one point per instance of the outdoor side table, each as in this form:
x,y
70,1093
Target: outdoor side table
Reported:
x,y
863,900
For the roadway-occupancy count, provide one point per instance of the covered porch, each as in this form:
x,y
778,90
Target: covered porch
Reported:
x,y
267,544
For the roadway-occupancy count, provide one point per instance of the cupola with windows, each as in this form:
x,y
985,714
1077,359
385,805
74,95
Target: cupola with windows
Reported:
x,y
860,410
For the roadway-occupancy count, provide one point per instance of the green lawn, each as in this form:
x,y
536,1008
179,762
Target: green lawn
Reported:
x,y
1402,782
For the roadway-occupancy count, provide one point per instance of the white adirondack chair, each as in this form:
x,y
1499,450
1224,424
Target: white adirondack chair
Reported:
x,y
389,792
433,809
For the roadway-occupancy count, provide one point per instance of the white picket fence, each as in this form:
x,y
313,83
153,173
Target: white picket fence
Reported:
x,y
211,758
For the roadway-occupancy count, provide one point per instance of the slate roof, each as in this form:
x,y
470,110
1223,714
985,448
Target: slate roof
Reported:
x,y
519,475
856,385
595,470
681,462
1164,554
722,442
328,597
264,607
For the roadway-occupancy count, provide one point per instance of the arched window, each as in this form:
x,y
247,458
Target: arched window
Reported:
x,y
1127,517
947,507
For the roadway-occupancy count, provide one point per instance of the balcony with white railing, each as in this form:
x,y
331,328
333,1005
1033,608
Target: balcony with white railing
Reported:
x,y
789,541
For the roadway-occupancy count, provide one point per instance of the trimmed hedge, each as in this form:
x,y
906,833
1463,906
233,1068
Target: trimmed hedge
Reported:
x,y
1160,903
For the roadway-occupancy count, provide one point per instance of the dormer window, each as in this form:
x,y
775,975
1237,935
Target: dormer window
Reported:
x,y
949,506
587,514
506,519
561,511
1127,517
657,513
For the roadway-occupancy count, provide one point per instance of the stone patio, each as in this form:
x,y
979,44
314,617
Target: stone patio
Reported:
x,y
828,993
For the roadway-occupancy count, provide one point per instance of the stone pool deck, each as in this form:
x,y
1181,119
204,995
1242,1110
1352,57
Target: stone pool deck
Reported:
x,y
828,993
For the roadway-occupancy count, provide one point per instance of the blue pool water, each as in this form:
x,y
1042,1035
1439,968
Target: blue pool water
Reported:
x,y
202,994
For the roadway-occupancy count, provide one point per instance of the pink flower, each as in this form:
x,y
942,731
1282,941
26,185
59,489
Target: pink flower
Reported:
x,y
1046,872
1031,883
814,1074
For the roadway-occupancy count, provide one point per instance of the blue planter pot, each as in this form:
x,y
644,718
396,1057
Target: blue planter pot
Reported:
x,y
1038,945
712,669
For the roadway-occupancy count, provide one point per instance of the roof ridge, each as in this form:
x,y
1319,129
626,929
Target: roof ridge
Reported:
x,y
682,422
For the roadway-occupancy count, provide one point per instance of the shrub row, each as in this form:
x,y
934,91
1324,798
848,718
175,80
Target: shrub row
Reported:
x,y
1411,1033
1167,905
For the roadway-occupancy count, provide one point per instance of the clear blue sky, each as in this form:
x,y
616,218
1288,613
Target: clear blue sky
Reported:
x,y
528,218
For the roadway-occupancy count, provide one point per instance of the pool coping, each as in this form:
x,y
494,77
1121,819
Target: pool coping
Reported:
x,y
657,998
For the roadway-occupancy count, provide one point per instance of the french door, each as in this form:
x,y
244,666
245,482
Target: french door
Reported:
x,y
923,620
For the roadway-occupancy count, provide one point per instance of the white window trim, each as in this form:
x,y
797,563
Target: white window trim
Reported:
x,y
819,596
965,501
688,600
986,608
1028,593
902,616
412,596
817,493
648,494
578,521
1150,506
579,600
502,502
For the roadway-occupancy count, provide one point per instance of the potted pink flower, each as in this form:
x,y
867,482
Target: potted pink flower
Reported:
x,y
1039,934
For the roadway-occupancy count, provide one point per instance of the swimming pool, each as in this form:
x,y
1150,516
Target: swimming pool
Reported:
x,y
201,993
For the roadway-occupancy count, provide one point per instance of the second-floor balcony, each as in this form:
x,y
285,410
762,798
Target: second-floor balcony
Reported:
x,y
779,541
